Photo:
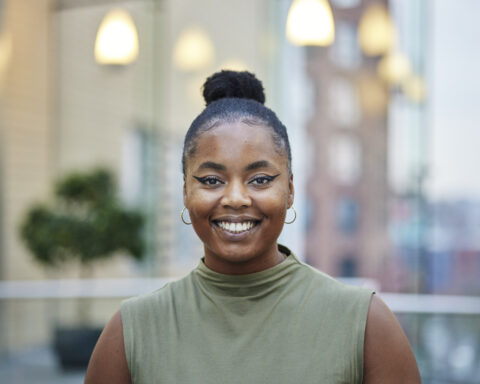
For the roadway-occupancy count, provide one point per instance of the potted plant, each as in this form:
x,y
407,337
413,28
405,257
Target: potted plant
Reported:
x,y
85,223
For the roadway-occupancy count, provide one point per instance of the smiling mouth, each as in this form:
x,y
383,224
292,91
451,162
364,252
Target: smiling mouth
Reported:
x,y
236,228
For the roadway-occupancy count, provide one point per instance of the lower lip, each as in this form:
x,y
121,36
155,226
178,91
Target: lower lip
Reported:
x,y
236,236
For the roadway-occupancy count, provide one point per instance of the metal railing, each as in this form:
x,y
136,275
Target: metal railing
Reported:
x,y
444,330
118,288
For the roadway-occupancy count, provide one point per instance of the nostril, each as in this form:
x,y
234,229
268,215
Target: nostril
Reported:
x,y
236,197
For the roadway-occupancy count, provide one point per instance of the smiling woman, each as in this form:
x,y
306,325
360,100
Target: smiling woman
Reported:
x,y
238,198
251,312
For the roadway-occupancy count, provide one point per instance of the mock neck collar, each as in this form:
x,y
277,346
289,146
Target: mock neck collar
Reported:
x,y
249,284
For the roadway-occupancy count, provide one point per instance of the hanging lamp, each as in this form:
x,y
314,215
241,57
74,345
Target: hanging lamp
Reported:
x,y
376,31
394,68
117,39
310,22
193,50
414,88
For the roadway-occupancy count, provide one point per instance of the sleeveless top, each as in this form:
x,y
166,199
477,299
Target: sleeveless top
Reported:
x,y
287,324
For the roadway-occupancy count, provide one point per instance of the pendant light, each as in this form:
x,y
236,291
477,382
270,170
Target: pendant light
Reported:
x,y
310,22
5,53
376,31
394,68
415,89
193,50
117,39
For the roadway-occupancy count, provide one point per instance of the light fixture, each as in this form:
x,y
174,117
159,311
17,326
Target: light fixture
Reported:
x,y
117,39
193,50
414,88
376,31
310,22
5,53
394,68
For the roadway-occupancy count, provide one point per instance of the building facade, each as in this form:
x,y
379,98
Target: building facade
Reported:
x,y
347,182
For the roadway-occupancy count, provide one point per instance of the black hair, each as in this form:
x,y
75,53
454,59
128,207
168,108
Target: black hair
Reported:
x,y
231,96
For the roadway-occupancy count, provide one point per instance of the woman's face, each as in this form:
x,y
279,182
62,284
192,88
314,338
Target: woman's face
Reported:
x,y
237,190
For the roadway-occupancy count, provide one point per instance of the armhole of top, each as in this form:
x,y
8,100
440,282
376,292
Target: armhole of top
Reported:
x,y
128,338
362,327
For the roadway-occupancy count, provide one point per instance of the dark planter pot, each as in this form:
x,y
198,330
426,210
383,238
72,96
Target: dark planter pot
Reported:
x,y
74,346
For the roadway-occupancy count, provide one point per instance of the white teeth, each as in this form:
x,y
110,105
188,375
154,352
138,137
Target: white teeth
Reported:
x,y
236,227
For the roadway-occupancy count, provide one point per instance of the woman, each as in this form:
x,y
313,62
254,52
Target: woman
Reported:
x,y
250,312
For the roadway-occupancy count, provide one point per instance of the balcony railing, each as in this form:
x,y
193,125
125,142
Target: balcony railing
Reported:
x,y
444,330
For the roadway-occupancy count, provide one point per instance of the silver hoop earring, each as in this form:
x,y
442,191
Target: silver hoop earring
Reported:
x,y
181,216
294,216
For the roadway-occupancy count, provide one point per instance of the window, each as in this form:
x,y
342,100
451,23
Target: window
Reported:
x,y
344,103
345,159
345,51
346,3
348,267
131,177
347,215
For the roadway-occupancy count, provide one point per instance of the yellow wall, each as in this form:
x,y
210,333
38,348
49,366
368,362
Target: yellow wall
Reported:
x,y
60,110
26,121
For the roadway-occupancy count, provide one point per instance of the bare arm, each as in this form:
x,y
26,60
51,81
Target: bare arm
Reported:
x,y
108,363
388,357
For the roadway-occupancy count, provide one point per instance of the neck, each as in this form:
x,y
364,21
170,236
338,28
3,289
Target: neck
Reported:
x,y
230,265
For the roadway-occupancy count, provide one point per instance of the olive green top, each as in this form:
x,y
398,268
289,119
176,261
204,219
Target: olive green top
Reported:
x,y
287,324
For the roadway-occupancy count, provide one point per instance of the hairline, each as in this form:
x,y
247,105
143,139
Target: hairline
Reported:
x,y
246,118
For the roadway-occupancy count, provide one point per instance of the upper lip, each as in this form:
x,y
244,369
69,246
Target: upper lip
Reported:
x,y
235,219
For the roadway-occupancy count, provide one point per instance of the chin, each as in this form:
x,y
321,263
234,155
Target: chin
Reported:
x,y
239,259
234,255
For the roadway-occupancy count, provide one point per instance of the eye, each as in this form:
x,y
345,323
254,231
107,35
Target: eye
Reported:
x,y
262,180
209,180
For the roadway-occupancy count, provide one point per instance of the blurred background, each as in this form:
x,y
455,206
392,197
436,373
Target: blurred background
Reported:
x,y
381,100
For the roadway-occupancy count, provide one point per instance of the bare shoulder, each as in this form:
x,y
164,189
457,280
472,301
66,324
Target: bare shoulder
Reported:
x,y
108,363
388,357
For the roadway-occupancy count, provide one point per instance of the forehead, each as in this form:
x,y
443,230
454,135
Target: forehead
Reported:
x,y
237,143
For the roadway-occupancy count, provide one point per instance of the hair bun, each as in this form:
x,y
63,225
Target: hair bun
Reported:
x,y
243,85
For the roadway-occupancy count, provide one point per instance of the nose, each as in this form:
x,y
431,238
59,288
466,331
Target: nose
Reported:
x,y
236,195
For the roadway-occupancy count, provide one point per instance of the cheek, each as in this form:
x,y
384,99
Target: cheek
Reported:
x,y
200,204
278,196
275,204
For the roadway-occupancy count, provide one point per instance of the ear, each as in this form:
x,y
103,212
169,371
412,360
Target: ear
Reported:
x,y
184,192
291,191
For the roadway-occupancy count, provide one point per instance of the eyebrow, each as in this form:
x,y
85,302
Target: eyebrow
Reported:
x,y
250,167
258,164
212,165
